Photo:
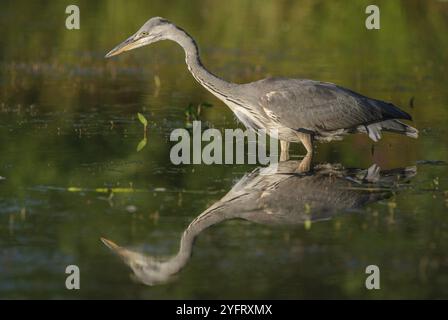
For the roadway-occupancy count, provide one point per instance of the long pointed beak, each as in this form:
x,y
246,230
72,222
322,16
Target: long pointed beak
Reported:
x,y
112,245
122,47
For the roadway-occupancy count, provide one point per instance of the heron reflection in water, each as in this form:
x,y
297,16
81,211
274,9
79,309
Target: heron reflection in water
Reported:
x,y
280,198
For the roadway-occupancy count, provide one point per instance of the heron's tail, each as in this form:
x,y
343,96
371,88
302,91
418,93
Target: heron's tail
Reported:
x,y
374,129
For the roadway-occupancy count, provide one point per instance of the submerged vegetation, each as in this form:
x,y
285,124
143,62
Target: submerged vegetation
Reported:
x,y
144,141
193,113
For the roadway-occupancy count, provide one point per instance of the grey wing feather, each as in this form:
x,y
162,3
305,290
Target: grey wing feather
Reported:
x,y
320,106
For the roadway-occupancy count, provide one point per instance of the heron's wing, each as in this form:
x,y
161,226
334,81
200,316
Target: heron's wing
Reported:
x,y
320,106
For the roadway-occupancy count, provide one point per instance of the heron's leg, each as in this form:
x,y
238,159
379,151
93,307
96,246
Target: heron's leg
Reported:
x,y
284,150
305,164
307,141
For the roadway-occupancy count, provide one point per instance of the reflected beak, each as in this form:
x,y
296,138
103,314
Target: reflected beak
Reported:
x,y
127,255
113,246
126,45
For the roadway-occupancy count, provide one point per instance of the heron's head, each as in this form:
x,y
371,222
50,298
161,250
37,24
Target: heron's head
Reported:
x,y
155,29
147,269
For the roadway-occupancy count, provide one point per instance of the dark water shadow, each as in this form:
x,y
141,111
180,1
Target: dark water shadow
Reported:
x,y
291,196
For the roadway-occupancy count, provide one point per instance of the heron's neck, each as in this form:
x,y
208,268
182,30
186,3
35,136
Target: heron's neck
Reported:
x,y
217,86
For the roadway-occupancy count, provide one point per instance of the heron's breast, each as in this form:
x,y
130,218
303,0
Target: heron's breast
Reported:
x,y
247,115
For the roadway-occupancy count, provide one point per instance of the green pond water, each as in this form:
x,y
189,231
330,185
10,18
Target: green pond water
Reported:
x,y
71,174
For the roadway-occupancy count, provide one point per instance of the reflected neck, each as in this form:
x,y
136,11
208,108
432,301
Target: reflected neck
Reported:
x,y
213,215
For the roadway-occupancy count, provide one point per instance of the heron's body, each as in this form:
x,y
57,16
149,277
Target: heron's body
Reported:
x,y
297,110
321,109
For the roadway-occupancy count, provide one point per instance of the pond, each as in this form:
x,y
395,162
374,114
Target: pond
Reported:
x,y
77,186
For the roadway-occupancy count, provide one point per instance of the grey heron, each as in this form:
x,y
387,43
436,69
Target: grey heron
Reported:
x,y
298,110
280,198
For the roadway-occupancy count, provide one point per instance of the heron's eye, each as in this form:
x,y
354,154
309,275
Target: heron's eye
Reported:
x,y
144,33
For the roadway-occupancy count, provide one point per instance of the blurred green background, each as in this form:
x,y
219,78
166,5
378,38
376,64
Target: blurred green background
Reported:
x,y
68,119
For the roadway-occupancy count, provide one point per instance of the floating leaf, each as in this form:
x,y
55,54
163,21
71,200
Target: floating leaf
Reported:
x,y
74,189
141,144
105,190
142,119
